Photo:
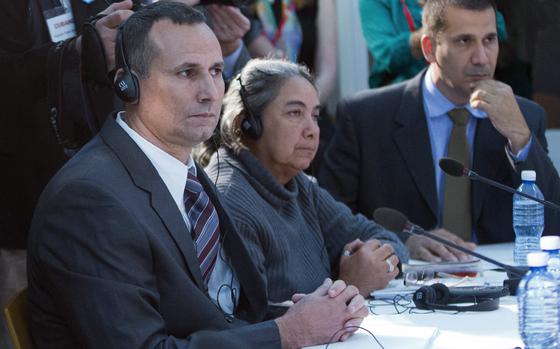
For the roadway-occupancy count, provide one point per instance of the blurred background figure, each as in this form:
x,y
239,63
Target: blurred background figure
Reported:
x,y
230,25
530,58
45,118
303,31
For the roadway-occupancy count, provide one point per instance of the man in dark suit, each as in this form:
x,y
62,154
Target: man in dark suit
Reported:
x,y
389,141
130,246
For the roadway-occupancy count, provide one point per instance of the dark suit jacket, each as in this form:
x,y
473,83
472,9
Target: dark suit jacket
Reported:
x,y
111,263
380,156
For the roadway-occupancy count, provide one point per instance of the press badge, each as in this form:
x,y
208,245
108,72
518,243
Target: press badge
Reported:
x,y
60,20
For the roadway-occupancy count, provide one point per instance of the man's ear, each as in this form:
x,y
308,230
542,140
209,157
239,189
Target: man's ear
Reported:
x,y
428,48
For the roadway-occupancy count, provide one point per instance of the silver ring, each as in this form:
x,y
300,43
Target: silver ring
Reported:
x,y
391,266
346,253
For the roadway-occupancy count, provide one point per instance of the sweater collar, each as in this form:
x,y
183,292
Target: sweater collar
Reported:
x,y
260,178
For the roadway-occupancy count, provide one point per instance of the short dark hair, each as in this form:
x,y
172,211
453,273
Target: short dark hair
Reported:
x,y
139,49
433,13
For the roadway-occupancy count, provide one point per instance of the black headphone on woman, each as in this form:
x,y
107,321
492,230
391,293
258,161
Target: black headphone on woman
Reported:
x,y
252,125
439,297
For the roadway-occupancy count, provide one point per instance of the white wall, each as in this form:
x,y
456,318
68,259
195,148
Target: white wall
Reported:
x,y
352,50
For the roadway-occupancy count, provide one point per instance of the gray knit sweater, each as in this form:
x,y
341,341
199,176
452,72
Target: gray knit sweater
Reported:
x,y
294,233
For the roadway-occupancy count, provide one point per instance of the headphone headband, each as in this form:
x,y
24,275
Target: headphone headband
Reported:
x,y
126,82
251,125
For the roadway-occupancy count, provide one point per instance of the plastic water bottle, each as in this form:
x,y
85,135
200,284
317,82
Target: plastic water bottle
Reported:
x,y
528,218
551,245
537,301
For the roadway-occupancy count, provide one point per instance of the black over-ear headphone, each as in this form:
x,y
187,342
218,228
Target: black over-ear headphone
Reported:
x,y
252,125
439,296
126,82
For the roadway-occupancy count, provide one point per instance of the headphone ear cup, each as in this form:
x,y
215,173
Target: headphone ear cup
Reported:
x,y
126,86
251,126
441,294
257,125
438,296
424,296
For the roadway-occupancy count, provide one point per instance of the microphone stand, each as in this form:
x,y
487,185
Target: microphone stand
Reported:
x,y
394,220
416,230
476,177
514,273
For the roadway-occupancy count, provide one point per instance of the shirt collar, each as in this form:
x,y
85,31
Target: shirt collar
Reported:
x,y
172,171
437,104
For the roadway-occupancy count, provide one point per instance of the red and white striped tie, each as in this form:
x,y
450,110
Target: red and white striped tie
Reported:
x,y
205,225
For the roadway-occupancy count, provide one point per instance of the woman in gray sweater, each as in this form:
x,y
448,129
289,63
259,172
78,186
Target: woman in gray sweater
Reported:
x,y
296,232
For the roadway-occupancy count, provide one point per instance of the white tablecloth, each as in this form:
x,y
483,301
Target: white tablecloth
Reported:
x,y
492,330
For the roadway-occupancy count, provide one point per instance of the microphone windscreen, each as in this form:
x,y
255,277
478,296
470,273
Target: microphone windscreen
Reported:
x,y
452,167
390,219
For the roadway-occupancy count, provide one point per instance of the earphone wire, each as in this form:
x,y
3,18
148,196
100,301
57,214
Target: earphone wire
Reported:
x,y
331,340
233,290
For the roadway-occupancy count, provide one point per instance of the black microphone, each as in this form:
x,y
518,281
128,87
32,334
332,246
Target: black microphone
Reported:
x,y
456,169
396,221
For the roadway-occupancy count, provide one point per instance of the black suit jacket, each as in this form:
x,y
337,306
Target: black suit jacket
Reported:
x,y
380,156
111,263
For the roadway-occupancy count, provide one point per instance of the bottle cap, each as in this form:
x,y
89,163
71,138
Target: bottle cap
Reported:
x,y
537,259
550,243
528,175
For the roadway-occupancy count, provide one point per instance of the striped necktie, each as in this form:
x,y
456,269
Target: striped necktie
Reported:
x,y
205,225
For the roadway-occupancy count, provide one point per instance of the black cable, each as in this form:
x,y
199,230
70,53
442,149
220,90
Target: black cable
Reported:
x,y
216,140
397,302
331,340
233,292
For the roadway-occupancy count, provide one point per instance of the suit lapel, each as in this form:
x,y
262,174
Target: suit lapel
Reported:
x,y
145,176
413,141
488,144
239,258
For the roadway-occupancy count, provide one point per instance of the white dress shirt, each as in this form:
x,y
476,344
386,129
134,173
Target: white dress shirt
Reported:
x,y
174,174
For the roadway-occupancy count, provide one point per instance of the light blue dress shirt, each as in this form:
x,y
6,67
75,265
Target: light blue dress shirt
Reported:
x,y
436,107
229,62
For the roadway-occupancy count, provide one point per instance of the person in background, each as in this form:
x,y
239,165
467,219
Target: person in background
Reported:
x,y
389,141
392,30
304,31
230,25
130,246
44,118
296,233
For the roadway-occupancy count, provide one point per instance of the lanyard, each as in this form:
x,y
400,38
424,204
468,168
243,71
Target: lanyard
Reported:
x,y
278,34
408,17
